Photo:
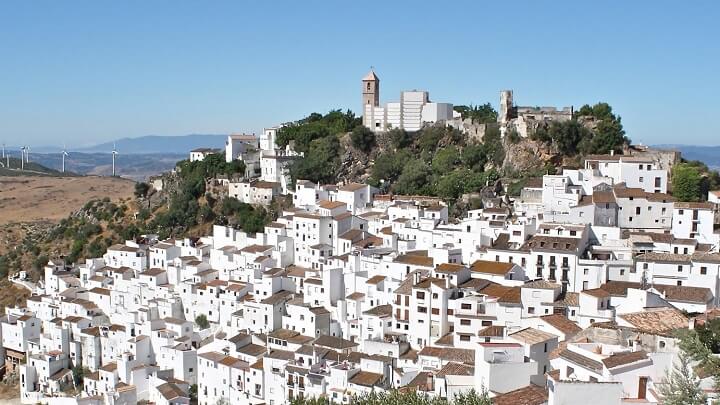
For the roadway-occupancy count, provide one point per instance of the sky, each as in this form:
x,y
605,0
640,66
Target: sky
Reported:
x,y
86,72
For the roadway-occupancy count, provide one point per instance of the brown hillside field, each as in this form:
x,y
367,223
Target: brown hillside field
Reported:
x,y
31,199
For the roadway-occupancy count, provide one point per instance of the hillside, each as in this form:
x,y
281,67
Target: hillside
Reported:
x,y
132,166
31,168
45,198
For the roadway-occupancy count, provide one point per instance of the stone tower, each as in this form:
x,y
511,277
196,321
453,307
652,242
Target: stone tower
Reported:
x,y
506,106
370,96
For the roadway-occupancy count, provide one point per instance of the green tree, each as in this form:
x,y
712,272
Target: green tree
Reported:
x,y
430,137
202,322
493,147
482,114
474,157
399,138
141,189
681,386
445,160
320,163
362,138
686,183
414,179
410,397
388,166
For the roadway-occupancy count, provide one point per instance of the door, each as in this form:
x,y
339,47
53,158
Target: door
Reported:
x,y
642,387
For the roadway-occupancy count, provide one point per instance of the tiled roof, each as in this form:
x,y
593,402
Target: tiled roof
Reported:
x,y
562,323
490,267
466,356
334,342
530,395
366,379
661,321
453,368
580,360
624,358
532,336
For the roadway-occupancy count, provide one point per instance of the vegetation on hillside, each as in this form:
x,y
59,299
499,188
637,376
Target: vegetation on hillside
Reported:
x,y
102,223
691,181
481,114
594,129
412,397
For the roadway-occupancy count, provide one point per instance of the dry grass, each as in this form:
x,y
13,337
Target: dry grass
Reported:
x,y
32,199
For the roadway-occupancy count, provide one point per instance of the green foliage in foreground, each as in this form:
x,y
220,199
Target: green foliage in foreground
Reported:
x,y
701,345
681,385
395,397
202,322
686,183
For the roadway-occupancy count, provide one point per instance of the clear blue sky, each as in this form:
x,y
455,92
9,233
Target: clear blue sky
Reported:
x,y
85,72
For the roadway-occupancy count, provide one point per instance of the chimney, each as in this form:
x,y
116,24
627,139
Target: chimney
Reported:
x,y
612,152
692,323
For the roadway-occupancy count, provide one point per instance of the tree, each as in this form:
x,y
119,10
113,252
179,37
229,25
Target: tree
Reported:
x,y
399,138
388,166
362,138
681,384
493,147
410,397
193,391
414,178
202,322
320,163
142,189
686,183
445,160
482,114
474,157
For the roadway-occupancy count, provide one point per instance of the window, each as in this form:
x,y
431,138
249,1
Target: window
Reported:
x,y
531,310
465,322
465,306
703,270
637,210
420,295
422,310
680,268
679,282
465,338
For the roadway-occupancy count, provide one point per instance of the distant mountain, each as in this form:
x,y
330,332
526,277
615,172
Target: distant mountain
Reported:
x,y
138,166
182,144
710,155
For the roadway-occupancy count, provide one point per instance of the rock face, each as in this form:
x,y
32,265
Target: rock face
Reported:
x,y
526,155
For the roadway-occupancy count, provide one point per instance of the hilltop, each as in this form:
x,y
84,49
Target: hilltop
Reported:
x,y
154,144
31,168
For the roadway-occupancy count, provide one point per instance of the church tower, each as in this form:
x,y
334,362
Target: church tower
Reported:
x,y
370,96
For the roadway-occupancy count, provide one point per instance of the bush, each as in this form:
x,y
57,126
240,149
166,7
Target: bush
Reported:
x,y
399,138
362,138
202,322
686,183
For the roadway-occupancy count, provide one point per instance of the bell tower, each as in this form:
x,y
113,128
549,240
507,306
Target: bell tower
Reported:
x,y
370,97
371,89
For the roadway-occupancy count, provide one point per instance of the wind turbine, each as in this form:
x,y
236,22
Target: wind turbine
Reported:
x,y
114,153
22,157
27,154
64,154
